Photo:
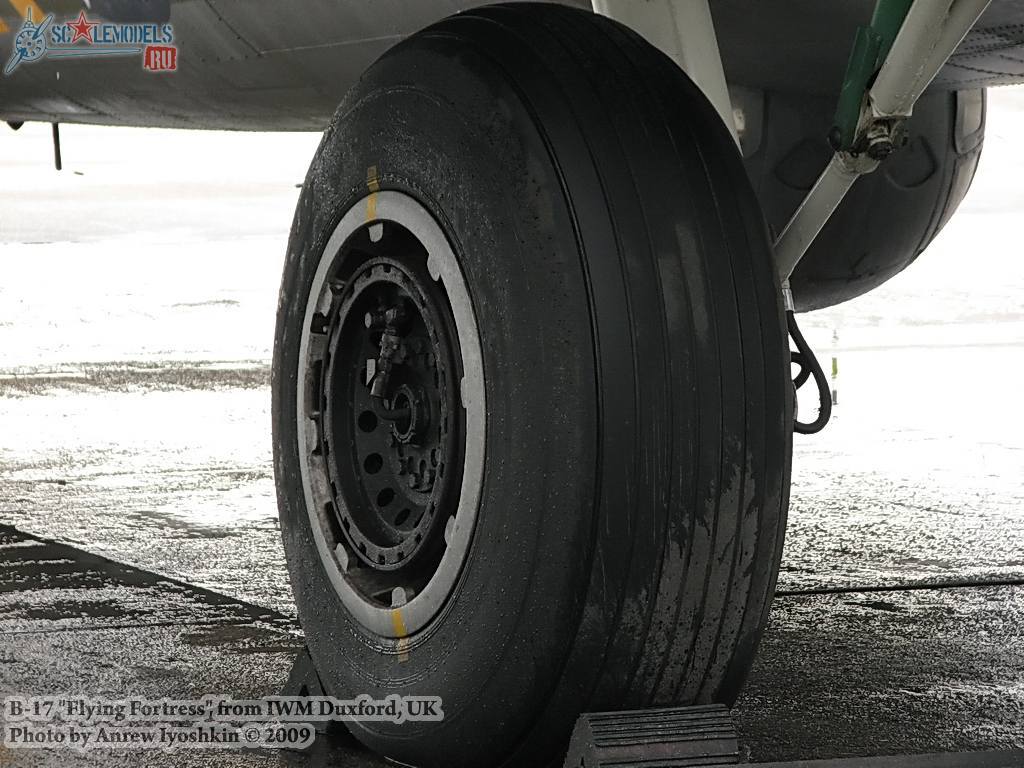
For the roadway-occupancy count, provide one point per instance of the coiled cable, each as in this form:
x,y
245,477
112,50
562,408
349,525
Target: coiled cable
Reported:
x,y
809,366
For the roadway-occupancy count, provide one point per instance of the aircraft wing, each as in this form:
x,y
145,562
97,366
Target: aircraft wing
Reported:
x,y
284,65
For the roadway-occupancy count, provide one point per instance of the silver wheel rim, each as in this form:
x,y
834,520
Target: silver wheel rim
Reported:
x,y
404,616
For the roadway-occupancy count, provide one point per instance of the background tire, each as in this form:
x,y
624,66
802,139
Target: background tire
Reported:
x,y
890,216
636,372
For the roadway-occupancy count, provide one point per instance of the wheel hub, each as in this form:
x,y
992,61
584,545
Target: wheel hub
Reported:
x,y
391,417
387,420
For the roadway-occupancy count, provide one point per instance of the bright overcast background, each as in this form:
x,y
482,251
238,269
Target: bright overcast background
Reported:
x,y
138,210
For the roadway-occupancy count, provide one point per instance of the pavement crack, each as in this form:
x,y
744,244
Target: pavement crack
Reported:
x,y
143,625
912,587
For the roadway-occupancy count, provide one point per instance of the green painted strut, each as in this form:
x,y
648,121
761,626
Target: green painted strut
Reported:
x,y
870,47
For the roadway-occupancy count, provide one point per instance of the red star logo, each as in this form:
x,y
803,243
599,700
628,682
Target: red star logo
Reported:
x,y
83,28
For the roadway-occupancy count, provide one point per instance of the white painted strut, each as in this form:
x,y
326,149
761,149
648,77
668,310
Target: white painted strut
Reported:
x,y
930,33
684,31
816,209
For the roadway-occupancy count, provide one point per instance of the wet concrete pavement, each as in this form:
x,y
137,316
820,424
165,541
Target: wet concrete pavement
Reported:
x,y
839,674
139,547
73,622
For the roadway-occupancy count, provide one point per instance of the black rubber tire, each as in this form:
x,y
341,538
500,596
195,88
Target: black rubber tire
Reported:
x,y
639,407
890,216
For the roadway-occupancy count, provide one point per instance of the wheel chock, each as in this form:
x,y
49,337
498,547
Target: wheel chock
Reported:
x,y
674,737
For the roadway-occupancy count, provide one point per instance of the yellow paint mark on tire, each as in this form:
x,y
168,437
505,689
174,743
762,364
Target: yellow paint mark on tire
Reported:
x,y
4,27
398,624
372,184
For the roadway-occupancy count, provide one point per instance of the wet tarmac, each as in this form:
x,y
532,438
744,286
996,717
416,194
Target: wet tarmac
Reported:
x,y
139,546
841,674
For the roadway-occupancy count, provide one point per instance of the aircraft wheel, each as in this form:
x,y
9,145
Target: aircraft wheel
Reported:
x,y
532,409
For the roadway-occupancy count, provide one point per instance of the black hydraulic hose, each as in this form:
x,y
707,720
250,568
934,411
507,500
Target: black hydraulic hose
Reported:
x,y
805,358
805,369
